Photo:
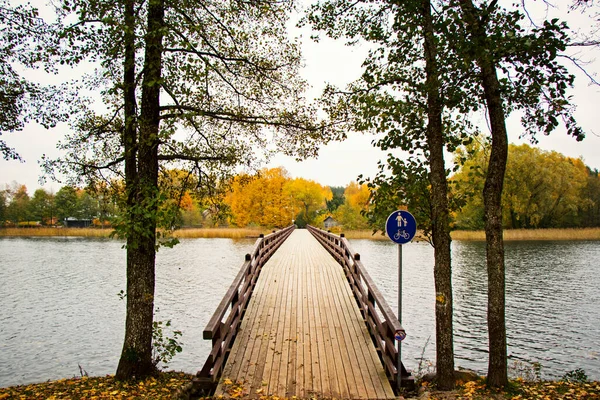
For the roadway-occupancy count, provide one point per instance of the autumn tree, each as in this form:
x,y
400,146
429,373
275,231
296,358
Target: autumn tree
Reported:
x,y
17,209
543,189
261,200
199,85
356,203
308,197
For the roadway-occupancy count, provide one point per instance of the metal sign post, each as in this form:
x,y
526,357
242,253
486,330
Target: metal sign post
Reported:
x,y
401,228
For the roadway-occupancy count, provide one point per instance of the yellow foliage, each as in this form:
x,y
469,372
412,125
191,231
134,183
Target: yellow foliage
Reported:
x,y
272,199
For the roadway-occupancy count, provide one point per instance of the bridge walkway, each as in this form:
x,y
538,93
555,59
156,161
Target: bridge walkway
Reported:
x,y
303,334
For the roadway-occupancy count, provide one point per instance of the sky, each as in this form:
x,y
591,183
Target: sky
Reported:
x,y
338,163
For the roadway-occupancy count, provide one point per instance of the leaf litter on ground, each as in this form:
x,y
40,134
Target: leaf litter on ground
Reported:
x,y
164,386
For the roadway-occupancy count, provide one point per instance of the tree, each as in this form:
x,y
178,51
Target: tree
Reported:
x,y
18,207
542,189
261,200
356,202
24,37
65,203
41,206
541,93
401,95
591,211
217,79
449,71
3,205
87,206
337,199
309,197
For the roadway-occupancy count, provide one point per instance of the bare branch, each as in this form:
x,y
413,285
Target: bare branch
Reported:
x,y
578,65
588,43
182,157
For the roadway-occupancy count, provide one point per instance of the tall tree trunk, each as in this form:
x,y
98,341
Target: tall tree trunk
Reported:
x,y
492,196
136,358
439,210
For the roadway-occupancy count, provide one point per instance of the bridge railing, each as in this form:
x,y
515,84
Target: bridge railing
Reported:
x,y
223,326
379,317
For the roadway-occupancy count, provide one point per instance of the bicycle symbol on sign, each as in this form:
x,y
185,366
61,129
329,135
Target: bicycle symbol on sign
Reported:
x,y
401,234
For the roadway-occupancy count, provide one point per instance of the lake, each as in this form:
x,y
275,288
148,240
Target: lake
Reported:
x,y
60,309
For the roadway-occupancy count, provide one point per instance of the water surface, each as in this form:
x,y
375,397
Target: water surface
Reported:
x,y
59,306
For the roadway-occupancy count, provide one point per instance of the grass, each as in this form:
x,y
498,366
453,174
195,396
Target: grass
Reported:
x,y
534,234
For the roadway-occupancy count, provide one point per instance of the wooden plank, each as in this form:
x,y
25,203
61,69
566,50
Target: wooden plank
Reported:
x,y
321,384
239,361
262,338
370,379
329,356
293,331
278,381
310,383
275,309
352,364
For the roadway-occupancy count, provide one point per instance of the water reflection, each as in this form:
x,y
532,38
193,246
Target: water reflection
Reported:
x,y
59,305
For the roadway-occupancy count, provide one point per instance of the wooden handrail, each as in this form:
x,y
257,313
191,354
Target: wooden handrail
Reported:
x,y
379,317
223,326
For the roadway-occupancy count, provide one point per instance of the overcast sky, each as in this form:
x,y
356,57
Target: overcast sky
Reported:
x,y
338,163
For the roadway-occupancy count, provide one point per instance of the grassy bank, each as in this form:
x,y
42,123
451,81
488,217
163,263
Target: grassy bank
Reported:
x,y
239,233
83,232
534,234
232,233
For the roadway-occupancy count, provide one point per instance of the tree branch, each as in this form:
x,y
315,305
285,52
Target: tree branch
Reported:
x,y
578,65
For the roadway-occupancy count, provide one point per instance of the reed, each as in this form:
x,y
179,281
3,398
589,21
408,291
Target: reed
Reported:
x,y
231,233
534,234
364,234
48,231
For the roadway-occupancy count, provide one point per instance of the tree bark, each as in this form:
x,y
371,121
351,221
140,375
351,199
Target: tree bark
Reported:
x,y
492,196
439,210
136,358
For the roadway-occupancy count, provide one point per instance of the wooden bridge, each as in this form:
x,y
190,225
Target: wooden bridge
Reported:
x,y
313,325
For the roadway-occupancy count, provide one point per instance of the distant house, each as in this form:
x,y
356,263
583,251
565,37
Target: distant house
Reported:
x,y
329,222
71,222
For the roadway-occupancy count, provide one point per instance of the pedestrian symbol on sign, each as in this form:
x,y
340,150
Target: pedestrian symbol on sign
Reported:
x,y
401,221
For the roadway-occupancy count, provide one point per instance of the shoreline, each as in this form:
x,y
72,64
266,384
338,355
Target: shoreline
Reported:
x,y
244,233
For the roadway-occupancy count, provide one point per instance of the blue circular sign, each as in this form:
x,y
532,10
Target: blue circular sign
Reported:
x,y
401,227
